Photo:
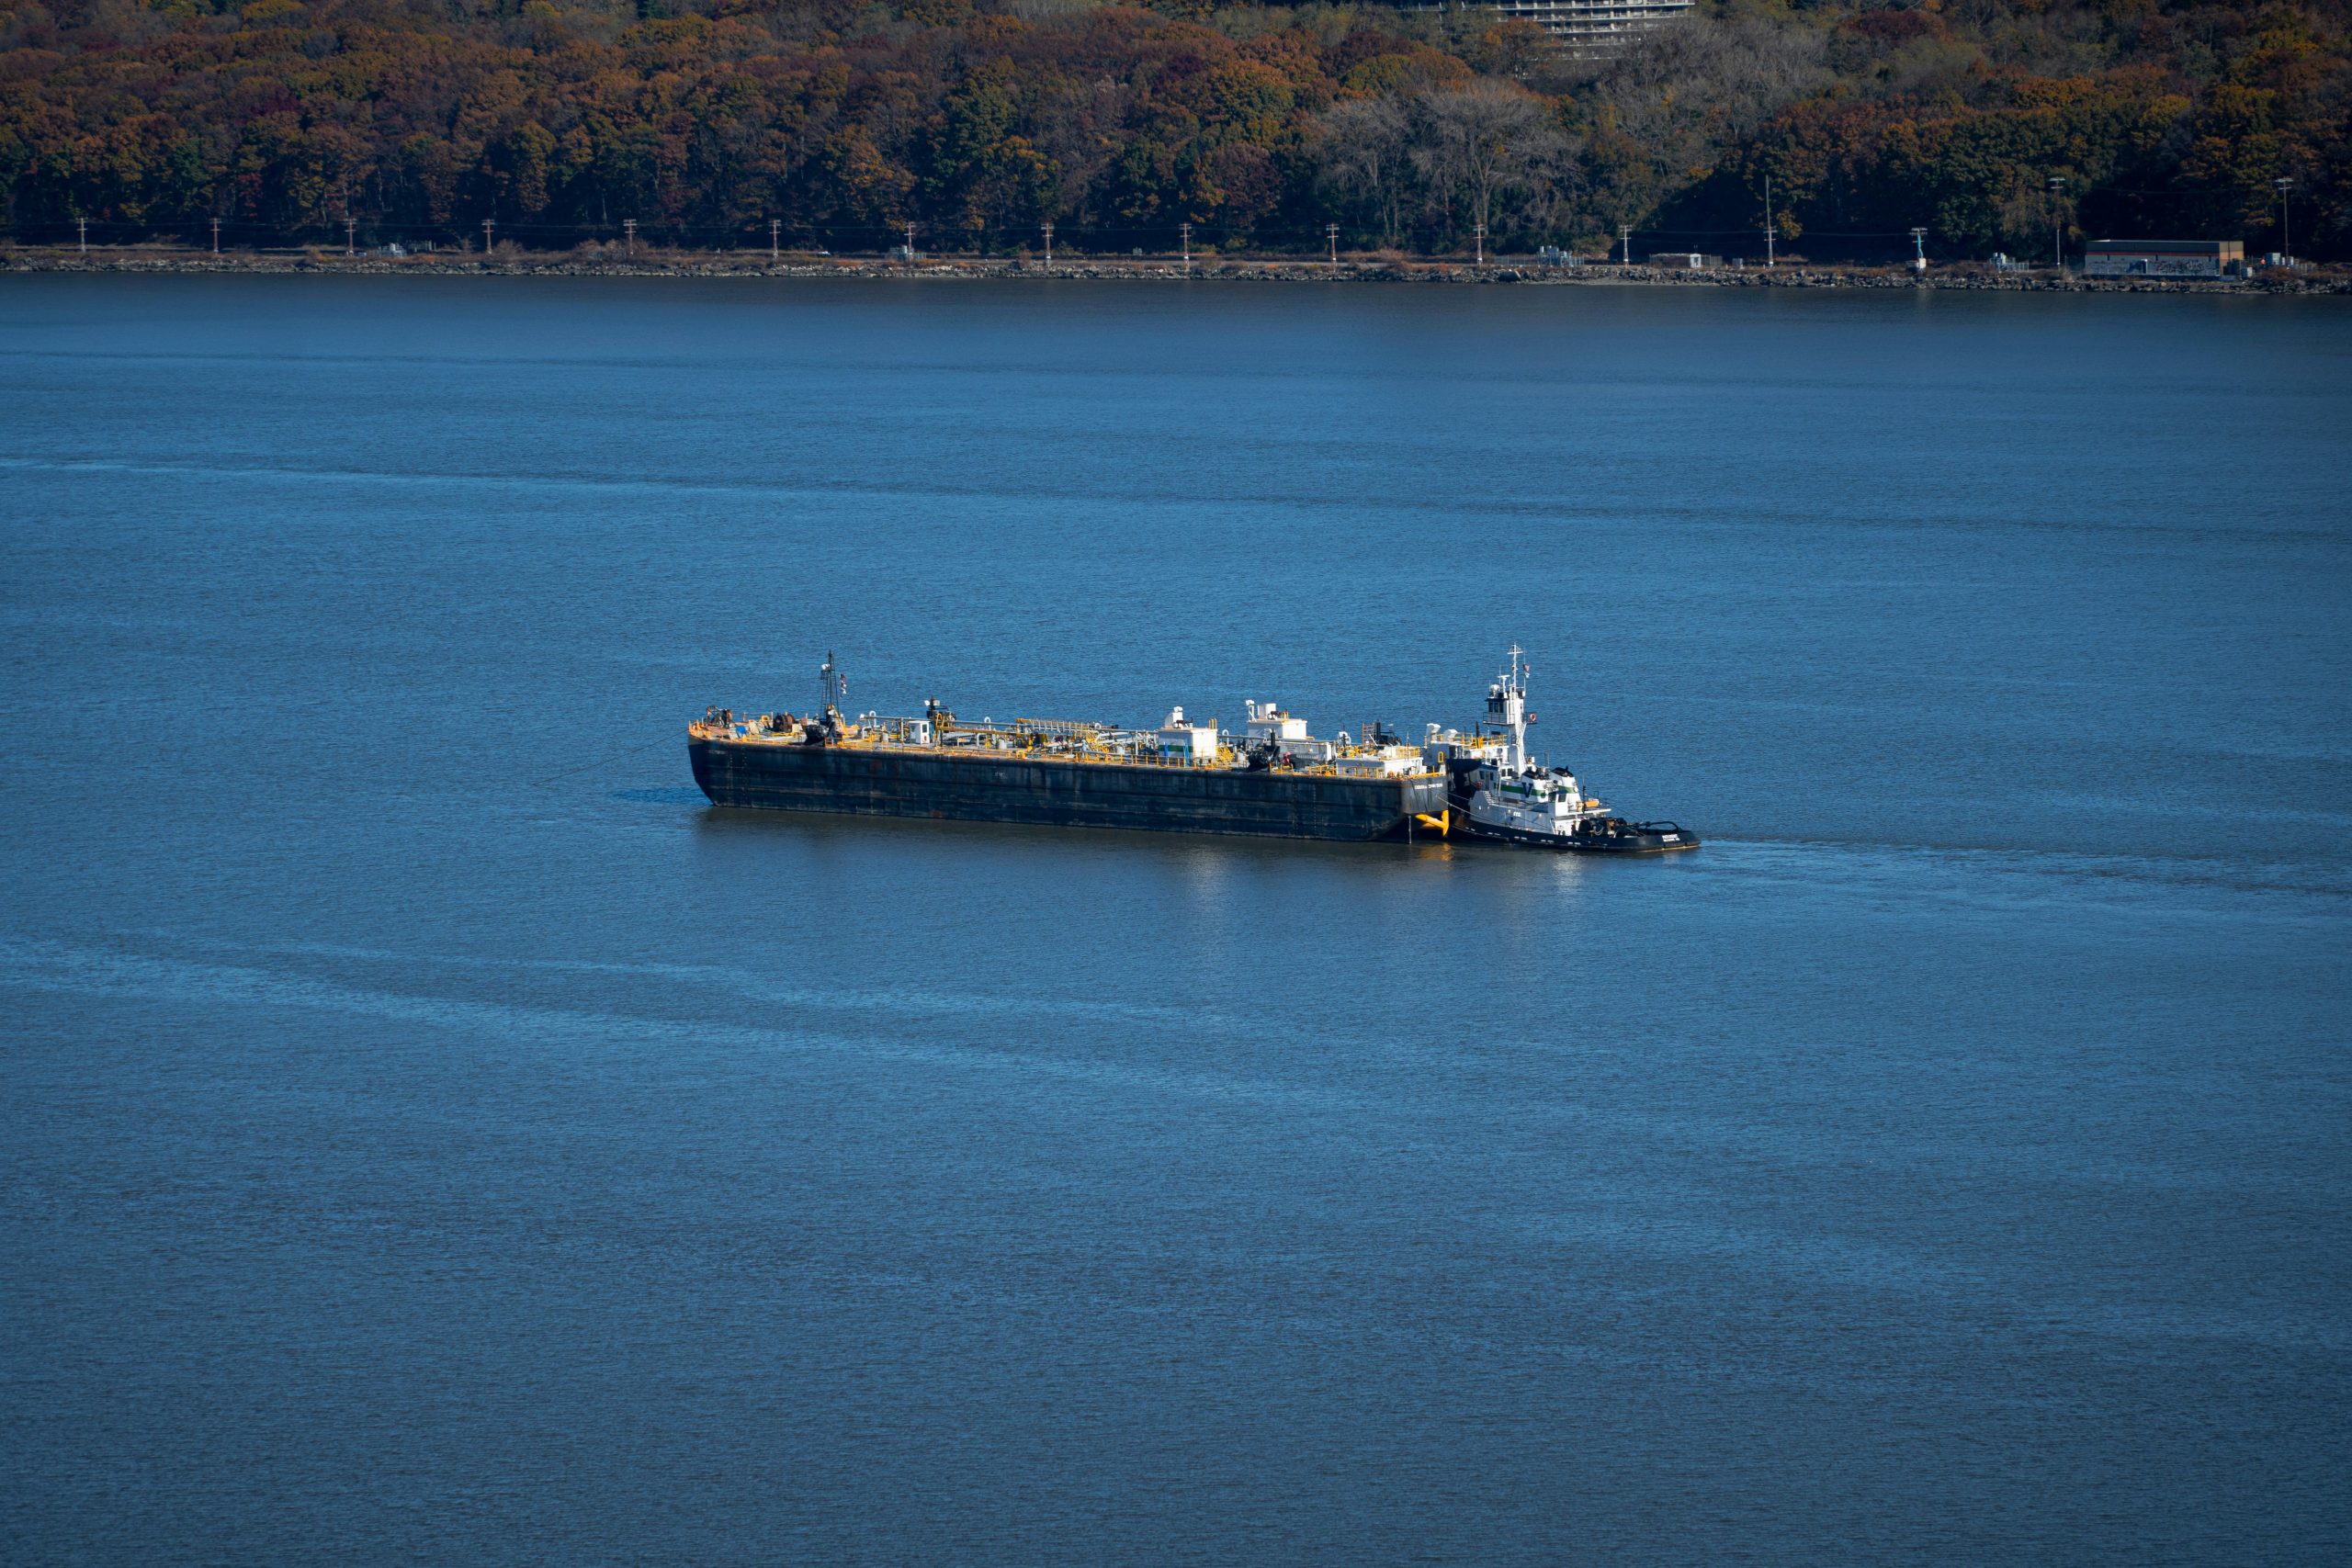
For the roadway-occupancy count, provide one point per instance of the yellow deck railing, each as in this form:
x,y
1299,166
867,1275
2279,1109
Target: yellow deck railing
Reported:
x,y
1226,761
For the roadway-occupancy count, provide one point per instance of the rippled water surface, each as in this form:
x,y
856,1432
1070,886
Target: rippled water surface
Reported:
x,y
429,1132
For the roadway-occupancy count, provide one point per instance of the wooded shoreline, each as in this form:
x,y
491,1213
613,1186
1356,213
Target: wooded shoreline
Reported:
x,y
1159,269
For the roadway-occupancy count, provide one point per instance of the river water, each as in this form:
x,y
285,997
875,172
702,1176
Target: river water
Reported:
x,y
429,1132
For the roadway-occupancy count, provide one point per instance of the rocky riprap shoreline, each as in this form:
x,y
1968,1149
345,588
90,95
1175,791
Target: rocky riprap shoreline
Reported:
x,y
1218,270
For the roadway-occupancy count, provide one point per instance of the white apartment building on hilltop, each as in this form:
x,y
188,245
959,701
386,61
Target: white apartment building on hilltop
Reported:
x,y
1583,26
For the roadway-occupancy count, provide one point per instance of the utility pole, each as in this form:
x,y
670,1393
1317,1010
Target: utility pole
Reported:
x,y
776,227
2057,234
216,236
2286,236
1625,238
485,236
351,236
1480,234
1049,243
1185,232
1331,237
911,244
1771,229
86,234
629,227
1920,245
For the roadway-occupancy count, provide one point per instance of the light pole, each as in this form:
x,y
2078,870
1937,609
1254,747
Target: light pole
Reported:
x,y
2286,235
1919,246
1331,237
216,236
2057,233
1480,233
485,237
1771,230
629,227
1048,227
86,234
1625,238
1184,232
776,227
351,236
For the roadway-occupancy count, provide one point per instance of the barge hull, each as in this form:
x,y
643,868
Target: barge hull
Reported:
x,y
976,787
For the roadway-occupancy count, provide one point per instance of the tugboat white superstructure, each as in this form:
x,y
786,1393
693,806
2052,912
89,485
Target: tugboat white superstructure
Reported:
x,y
1499,795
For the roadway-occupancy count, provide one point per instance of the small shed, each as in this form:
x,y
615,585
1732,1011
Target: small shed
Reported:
x,y
1187,741
2164,258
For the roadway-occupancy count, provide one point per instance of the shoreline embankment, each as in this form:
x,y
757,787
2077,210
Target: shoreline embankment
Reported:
x,y
1967,277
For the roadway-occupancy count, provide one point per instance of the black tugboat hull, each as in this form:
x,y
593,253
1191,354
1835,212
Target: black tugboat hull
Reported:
x,y
1634,839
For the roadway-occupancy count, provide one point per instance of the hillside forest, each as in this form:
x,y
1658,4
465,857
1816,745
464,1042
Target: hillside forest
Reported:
x,y
840,121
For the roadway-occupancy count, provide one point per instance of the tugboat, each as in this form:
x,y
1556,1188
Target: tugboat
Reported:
x,y
1495,794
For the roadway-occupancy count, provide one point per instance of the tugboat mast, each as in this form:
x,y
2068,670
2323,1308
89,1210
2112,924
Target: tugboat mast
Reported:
x,y
1507,705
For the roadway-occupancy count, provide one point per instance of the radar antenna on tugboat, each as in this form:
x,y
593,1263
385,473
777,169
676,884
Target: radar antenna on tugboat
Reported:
x,y
1507,700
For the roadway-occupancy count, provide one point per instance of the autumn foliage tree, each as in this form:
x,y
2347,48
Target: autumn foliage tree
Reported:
x,y
980,120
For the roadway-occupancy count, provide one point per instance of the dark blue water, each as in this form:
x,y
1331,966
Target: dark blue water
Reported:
x,y
429,1132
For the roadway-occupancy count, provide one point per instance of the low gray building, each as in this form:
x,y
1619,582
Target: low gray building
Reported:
x,y
2164,258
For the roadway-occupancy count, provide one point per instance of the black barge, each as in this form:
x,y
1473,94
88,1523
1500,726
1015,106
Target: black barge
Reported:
x,y
976,784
